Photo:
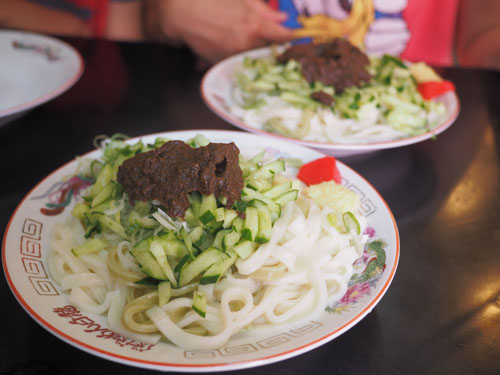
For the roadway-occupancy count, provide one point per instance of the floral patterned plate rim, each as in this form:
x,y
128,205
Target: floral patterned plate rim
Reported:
x,y
33,70
219,79
25,247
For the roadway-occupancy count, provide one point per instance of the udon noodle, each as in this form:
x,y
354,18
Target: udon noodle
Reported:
x,y
305,267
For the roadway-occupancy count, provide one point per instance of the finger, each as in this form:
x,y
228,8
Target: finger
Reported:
x,y
216,51
274,32
267,12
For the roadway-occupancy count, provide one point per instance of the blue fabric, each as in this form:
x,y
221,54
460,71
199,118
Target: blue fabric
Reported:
x,y
289,7
69,6
292,22
65,6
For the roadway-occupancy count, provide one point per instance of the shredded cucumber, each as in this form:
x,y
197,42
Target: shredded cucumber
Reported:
x,y
171,252
391,97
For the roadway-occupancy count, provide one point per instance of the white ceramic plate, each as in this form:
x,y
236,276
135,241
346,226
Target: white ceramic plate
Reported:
x,y
33,70
25,248
219,80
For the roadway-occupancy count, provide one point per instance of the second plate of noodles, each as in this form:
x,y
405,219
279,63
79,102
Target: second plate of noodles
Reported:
x,y
266,91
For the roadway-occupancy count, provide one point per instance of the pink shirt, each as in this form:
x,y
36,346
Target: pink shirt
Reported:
x,y
432,26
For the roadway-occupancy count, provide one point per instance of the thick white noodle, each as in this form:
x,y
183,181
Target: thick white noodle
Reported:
x,y
306,265
78,280
126,259
325,126
84,301
114,318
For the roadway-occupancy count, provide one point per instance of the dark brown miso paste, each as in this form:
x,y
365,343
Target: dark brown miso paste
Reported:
x,y
170,172
337,63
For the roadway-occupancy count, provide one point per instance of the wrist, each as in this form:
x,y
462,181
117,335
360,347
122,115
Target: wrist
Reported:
x,y
156,26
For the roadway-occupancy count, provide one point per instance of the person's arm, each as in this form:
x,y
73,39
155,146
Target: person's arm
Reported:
x,y
125,20
215,29
21,14
478,33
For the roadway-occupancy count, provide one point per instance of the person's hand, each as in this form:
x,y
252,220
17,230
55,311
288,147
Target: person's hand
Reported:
x,y
215,29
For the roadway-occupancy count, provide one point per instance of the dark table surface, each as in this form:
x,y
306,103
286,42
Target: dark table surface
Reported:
x,y
441,314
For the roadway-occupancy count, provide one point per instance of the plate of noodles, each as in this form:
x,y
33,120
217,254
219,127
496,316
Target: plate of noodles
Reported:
x,y
231,283
267,91
34,69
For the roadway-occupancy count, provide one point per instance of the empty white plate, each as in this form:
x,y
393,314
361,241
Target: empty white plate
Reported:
x,y
33,70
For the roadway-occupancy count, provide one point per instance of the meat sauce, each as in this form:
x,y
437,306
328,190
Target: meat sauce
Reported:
x,y
337,63
170,172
